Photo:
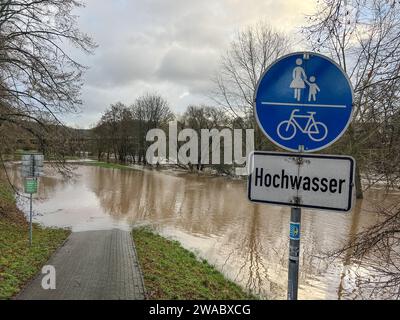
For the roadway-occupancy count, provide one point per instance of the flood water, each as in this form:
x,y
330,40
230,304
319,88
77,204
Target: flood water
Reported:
x,y
212,217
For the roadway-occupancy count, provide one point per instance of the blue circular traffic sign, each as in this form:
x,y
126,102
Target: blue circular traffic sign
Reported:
x,y
304,101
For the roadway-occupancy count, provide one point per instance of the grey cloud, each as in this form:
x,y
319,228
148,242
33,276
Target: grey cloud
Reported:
x,y
188,66
172,47
119,66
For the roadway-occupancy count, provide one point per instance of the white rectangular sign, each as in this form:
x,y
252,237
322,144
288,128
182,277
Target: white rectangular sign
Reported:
x,y
306,180
32,165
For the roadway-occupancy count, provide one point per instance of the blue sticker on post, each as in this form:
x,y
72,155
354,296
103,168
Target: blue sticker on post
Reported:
x,y
294,231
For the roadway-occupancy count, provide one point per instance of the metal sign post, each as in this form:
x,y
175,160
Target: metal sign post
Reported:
x,y
294,242
294,250
30,219
30,188
32,167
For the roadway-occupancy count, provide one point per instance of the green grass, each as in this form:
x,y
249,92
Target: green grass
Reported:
x,y
65,158
172,272
6,195
18,261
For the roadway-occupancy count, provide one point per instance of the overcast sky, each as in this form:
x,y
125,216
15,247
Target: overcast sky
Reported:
x,y
172,47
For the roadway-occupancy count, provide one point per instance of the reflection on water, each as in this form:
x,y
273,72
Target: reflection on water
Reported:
x,y
211,216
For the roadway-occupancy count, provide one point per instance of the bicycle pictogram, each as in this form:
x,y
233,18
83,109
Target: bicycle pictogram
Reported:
x,y
287,129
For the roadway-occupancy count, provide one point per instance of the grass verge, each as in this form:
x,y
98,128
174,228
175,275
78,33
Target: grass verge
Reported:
x,y
172,272
18,262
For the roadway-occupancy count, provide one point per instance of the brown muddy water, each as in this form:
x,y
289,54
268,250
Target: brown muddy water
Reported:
x,y
211,216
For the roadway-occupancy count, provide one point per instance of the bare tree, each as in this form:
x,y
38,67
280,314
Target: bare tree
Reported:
x,y
115,131
363,36
248,56
154,110
39,80
378,248
205,117
151,111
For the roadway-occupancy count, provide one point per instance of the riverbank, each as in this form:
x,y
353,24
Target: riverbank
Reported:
x,y
176,170
18,262
108,165
172,272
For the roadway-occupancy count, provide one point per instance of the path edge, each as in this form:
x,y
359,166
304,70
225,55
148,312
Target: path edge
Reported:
x,y
138,264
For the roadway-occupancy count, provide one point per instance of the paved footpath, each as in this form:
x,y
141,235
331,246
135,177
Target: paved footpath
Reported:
x,y
92,265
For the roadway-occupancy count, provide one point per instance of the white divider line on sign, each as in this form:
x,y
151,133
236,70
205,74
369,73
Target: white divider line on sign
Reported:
x,y
304,105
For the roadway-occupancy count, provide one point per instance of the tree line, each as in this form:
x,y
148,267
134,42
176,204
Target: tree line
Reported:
x,y
121,131
120,134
